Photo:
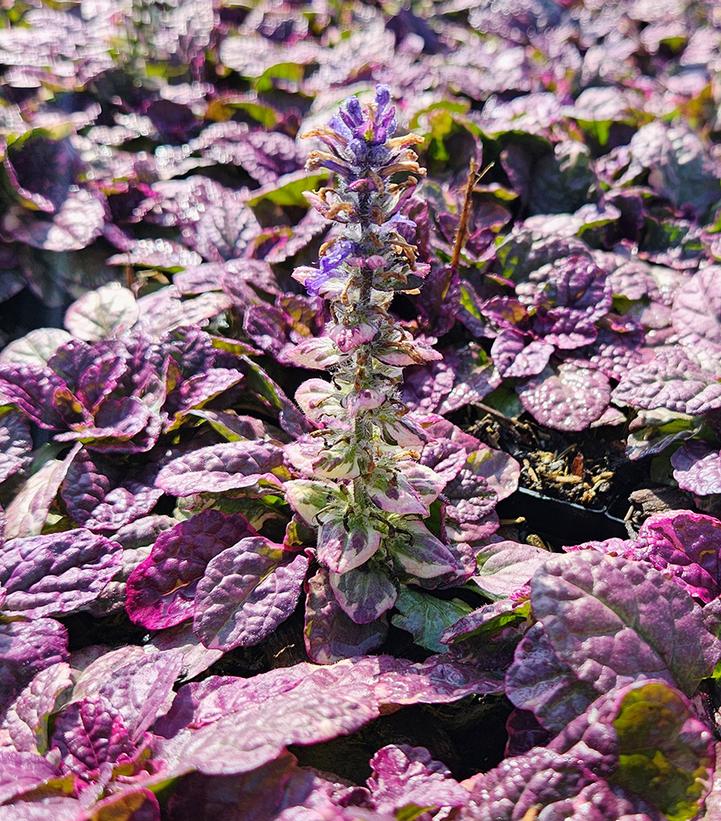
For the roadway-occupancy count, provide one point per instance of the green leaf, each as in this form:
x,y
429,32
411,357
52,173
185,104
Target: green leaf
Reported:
x,y
280,71
661,758
426,617
289,190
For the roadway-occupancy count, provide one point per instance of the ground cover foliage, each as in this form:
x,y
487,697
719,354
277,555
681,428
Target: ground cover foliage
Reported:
x,y
359,410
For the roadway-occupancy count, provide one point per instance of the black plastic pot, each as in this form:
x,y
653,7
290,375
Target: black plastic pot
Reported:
x,y
559,522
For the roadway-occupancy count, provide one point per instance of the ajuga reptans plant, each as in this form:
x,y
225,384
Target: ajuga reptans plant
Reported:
x,y
367,491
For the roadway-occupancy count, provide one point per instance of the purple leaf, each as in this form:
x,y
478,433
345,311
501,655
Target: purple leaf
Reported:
x,y
409,777
26,648
198,390
135,682
90,733
674,379
23,772
278,790
688,546
230,725
516,356
330,635
697,468
41,171
26,720
421,555
569,399
161,589
612,620
218,468
264,155
696,312
78,221
538,681
181,641
640,752
98,499
58,573
16,444
225,229
364,594
246,592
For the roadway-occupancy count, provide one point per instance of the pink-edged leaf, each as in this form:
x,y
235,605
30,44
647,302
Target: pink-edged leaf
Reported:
x,y
161,589
16,444
330,635
688,546
569,399
697,468
217,468
137,682
26,648
246,592
342,548
101,314
26,720
504,567
89,733
409,777
58,573
364,594
230,725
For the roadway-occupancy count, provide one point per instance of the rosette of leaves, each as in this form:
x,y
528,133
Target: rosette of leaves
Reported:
x,y
366,490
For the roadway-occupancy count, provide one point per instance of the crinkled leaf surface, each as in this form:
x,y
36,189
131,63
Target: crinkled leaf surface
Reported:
x,y
227,725
161,589
57,573
15,444
612,620
26,648
246,592
218,468
697,468
569,399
